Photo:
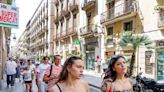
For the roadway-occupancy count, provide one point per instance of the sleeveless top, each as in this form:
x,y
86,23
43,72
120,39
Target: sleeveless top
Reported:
x,y
113,86
58,87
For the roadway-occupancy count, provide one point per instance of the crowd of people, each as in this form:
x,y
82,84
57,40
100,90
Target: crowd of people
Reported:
x,y
68,77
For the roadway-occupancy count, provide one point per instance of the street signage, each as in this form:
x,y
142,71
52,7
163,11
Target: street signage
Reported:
x,y
77,42
9,16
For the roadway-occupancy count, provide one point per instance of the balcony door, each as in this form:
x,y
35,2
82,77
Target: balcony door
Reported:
x,y
110,7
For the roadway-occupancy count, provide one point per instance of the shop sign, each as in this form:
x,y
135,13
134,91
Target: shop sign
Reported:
x,y
9,16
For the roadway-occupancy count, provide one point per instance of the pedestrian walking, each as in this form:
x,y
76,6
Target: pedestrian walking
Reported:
x,y
116,79
32,68
36,78
18,69
40,73
27,78
10,69
70,79
52,73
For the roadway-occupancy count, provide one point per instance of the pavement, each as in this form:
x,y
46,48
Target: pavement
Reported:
x,y
94,80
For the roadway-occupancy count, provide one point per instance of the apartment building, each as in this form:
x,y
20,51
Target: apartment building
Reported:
x,y
153,26
92,33
41,30
66,23
133,15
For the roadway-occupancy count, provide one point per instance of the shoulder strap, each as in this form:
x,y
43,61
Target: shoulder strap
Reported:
x,y
59,87
50,71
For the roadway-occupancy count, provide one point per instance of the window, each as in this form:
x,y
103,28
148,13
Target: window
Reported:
x,y
57,12
61,5
61,27
74,20
111,10
128,26
110,31
67,24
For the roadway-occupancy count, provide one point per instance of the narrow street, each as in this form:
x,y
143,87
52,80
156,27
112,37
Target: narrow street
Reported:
x,y
93,89
20,86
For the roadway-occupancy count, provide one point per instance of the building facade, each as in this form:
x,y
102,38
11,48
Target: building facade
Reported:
x,y
66,27
92,33
5,34
94,27
41,30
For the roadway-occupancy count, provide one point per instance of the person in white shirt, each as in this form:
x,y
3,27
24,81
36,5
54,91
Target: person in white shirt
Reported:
x,y
31,67
10,69
40,74
27,78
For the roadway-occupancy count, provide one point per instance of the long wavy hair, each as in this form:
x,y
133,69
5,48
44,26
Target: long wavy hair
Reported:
x,y
68,63
110,73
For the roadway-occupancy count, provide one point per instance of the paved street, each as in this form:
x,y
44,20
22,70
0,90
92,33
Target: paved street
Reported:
x,y
94,82
19,87
93,89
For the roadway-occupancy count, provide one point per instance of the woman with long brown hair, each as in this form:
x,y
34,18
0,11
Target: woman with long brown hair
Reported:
x,y
70,79
116,79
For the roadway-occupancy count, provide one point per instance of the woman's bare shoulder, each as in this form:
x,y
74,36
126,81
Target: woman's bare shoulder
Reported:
x,y
54,89
84,82
86,85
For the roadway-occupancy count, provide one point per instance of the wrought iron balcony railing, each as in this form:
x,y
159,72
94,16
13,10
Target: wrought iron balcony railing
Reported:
x,y
73,5
89,29
88,4
72,30
119,10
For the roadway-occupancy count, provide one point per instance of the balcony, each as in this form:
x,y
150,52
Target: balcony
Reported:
x,y
88,4
58,36
43,42
61,14
73,6
88,30
71,31
161,20
63,34
56,2
56,19
123,11
109,40
65,11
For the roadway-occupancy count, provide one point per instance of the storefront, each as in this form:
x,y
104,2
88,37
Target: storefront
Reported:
x,y
160,64
91,44
160,60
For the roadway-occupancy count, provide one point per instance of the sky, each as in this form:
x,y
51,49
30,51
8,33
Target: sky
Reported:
x,y
26,10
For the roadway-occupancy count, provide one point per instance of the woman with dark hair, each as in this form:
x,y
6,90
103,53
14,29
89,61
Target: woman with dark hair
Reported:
x,y
70,77
116,79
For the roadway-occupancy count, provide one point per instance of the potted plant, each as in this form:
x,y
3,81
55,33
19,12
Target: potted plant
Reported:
x,y
159,8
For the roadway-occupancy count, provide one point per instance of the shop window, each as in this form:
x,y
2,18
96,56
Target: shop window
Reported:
x,y
128,26
160,64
